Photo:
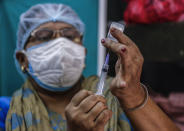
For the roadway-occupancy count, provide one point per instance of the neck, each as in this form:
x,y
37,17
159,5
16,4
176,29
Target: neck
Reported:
x,y
57,101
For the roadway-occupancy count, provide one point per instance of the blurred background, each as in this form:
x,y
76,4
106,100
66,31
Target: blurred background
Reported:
x,y
156,26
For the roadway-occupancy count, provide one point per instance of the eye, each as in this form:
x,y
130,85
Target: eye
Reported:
x,y
70,33
43,34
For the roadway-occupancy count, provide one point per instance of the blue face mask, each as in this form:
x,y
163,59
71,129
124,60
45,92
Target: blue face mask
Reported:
x,y
56,65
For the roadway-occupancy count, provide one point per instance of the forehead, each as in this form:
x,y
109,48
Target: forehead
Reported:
x,y
55,25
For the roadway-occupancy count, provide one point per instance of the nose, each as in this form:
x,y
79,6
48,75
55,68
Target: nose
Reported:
x,y
57,34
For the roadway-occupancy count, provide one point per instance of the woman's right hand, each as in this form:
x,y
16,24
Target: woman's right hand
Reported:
x,y
87,112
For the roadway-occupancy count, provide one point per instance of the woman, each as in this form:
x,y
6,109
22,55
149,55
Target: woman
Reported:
x,y
56,97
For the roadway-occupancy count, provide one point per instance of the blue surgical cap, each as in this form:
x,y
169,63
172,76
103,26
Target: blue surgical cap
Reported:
x,y
40,14
43,13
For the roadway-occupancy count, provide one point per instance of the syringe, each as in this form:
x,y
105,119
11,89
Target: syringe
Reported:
x,y
105,67
103,76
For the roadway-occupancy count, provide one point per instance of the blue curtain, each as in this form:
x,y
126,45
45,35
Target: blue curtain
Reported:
x,y
10,11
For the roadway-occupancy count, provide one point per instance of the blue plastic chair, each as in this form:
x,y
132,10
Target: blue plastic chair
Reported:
x,y
4,107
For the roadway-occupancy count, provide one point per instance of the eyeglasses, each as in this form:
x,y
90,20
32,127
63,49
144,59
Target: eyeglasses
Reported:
x,y
47,34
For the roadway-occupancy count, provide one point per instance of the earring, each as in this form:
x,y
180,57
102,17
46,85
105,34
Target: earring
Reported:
x,y
23,68
76,40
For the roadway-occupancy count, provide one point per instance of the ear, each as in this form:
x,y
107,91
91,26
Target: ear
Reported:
x,y
22,59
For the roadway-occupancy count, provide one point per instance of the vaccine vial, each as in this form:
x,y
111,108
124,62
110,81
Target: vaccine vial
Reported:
x,y
118,26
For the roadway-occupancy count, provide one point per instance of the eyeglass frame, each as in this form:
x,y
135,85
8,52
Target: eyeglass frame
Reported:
x,y
76,39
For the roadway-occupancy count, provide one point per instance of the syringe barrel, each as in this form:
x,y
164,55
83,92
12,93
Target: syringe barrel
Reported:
x,y
102,81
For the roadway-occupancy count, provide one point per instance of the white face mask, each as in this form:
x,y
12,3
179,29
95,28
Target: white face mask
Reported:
x,y
56,65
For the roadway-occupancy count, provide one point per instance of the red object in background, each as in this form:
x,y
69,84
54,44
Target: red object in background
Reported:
x,y
154,11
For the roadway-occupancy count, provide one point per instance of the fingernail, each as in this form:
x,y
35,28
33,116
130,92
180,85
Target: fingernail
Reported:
x,y
123,84
103,41
123,50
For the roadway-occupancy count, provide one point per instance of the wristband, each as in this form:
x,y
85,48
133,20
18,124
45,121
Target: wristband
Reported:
x,y
143,103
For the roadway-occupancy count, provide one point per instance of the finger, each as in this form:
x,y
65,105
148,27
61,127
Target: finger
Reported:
x,y
103,118
101,99
117,83
88,103
124,39
114,46
96,110
76,100
121,37
120,50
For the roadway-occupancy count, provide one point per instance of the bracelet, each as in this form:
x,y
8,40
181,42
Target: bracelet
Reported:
x,y
143,103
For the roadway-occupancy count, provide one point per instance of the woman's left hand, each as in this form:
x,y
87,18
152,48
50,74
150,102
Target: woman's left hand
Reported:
x,y
126,85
